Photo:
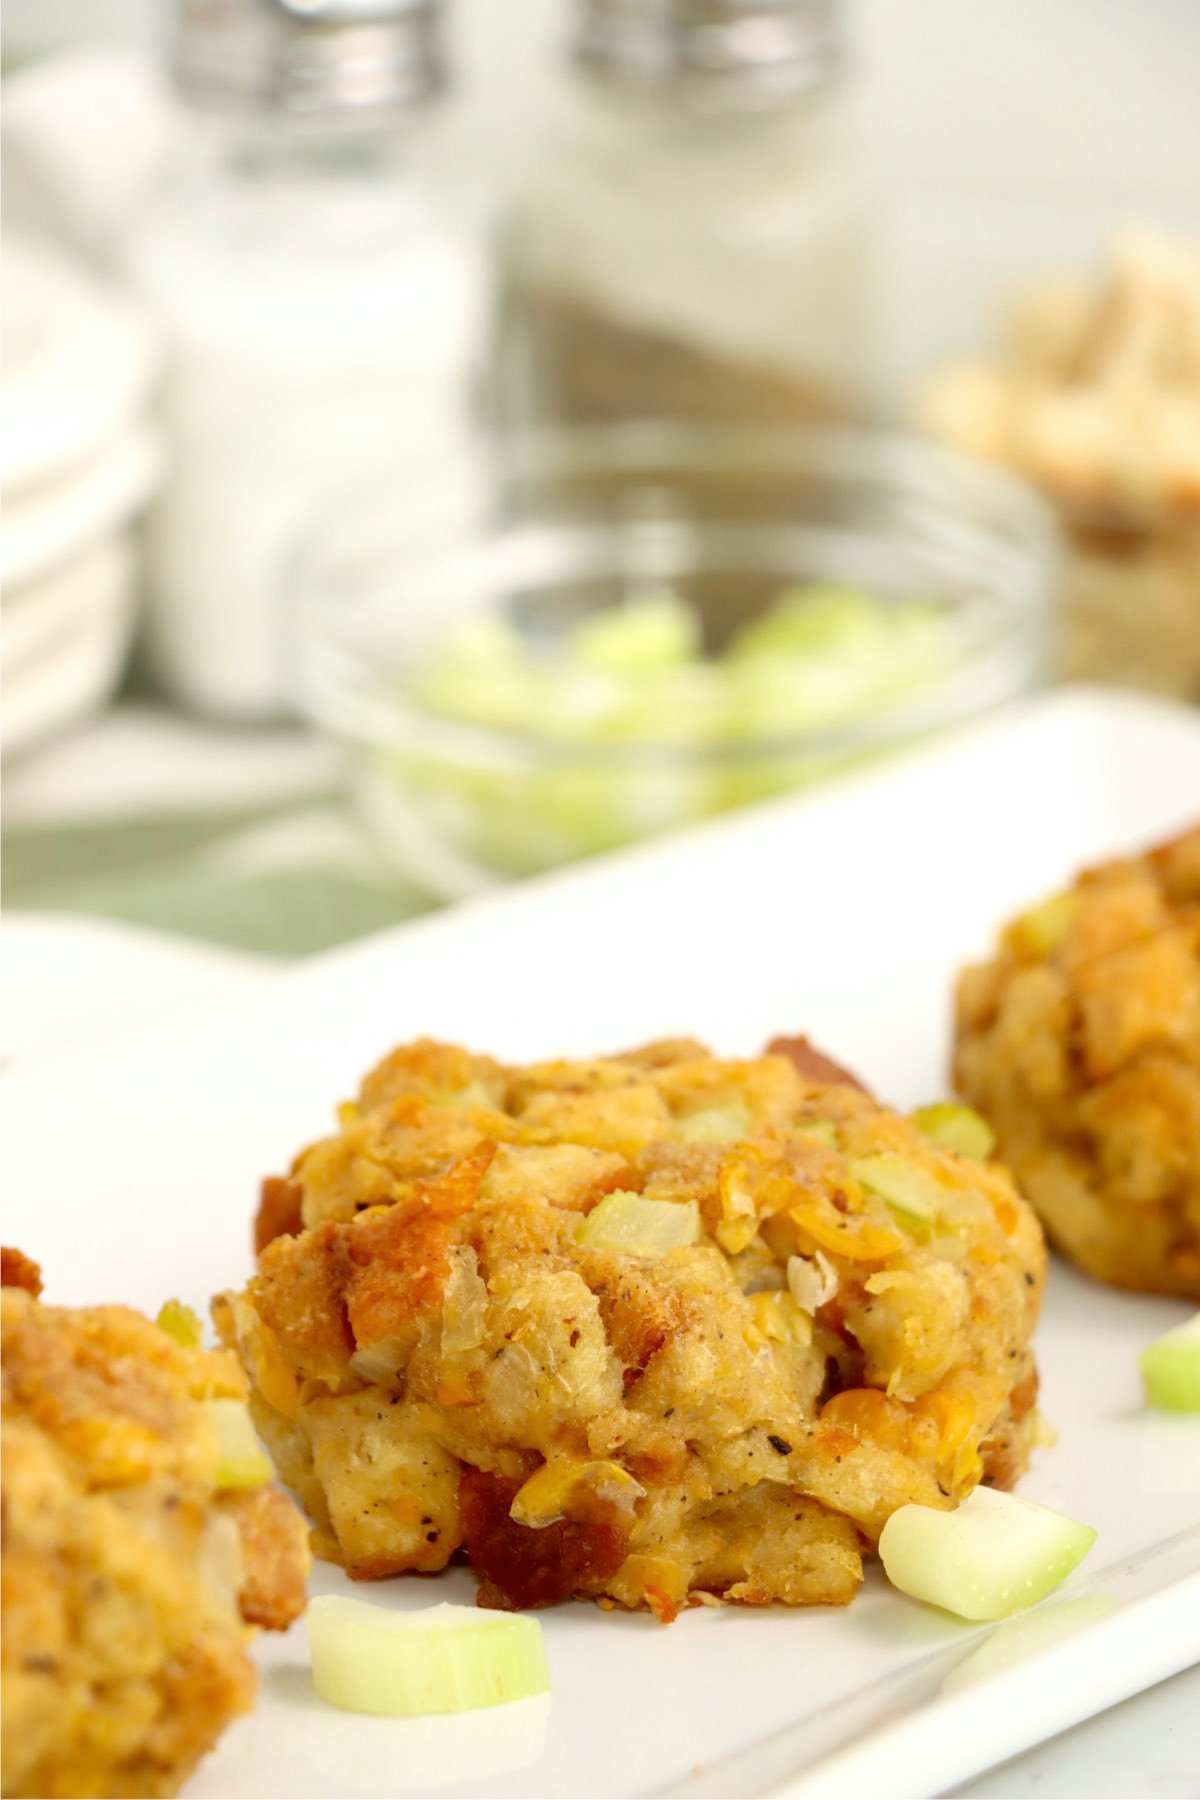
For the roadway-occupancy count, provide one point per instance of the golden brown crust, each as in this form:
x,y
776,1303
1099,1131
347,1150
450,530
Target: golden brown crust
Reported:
x,y
736,1418
19,1270
1080,1042
275,1556
124,1642
520,1566
812,1063
278,1211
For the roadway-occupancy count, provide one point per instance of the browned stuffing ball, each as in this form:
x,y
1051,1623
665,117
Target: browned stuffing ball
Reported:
x,y
649,1329
1080,1042
131,1579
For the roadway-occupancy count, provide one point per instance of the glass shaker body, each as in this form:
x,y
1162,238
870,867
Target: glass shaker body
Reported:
x,y
682,262
326,316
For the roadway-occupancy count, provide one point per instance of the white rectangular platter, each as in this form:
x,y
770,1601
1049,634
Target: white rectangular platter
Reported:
x,y
131,1173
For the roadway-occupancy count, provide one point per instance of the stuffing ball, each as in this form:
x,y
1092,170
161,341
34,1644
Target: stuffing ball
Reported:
x,y
655,1329
131,1576
1080,1043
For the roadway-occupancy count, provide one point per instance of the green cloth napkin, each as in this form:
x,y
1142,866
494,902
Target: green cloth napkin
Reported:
x,y
282,881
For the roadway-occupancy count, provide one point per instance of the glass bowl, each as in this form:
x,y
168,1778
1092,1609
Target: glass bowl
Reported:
x,y
486,745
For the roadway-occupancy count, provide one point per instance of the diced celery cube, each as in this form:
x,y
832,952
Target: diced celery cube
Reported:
x,y
1171,1369
640,1227
655,632
181,1323
242,1463
992,1556
1043,928
957,1128
906,1188
444,1659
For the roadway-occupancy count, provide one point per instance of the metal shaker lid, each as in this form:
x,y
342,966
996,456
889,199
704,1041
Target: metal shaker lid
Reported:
x,y
308,58
714,52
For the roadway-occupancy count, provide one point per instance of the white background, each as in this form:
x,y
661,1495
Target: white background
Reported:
x,y
1003,136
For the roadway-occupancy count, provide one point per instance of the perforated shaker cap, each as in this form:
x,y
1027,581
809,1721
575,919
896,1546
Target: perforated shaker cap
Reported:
x,y
717,52
308,58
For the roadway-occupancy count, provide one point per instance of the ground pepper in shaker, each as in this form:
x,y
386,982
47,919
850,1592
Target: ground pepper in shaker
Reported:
x,y
692,242
325,304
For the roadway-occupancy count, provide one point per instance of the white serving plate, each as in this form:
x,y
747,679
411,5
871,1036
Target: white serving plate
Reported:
x,y
132,1171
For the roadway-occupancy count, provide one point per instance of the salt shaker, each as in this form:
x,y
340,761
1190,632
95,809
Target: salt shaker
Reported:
x,y
326,309
693,240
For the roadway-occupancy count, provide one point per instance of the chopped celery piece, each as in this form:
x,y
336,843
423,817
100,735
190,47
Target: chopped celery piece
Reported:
x,y
242,1462
956,1128
818,658
1171,1369
911,1191
468,1099
444,1659
1043,928
715,1124
181,1323
814,619
825,1129
655,632
639,1227
991,1557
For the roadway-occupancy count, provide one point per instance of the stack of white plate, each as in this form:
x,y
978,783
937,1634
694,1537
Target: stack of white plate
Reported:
x,y
78,461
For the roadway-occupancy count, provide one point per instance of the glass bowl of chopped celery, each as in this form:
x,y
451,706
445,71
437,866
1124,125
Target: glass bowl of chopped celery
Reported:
x,y
598,635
